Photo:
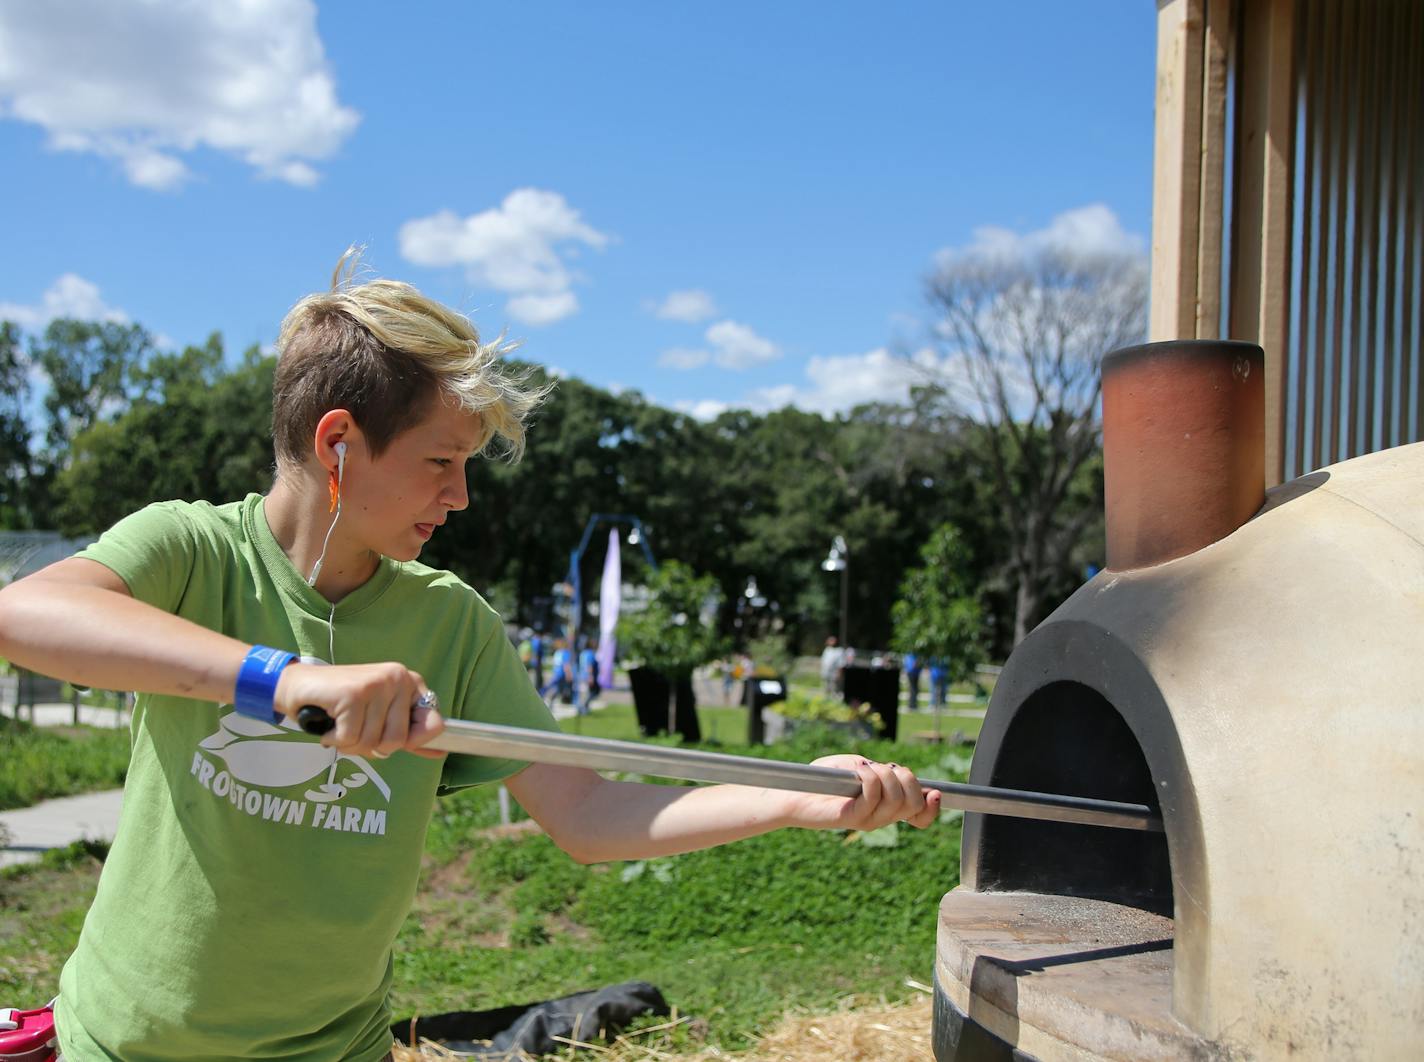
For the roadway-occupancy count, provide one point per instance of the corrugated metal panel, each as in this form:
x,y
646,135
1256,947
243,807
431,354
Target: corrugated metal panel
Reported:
x,y
1353,357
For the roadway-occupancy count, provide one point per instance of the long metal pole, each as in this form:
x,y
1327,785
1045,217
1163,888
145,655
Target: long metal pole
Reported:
x,y
604,754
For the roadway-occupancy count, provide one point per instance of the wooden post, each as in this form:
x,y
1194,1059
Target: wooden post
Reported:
x,y
1218,41
1260,289
1176,170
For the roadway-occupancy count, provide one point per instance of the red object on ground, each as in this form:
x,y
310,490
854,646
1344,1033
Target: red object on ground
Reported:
x,y
27,1035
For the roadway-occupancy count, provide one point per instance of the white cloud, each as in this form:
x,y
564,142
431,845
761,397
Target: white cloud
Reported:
x,y
702,409
518,248
1088,230
837,383
145,83
735,346
765,399
682,358
69,296
692,306
543,309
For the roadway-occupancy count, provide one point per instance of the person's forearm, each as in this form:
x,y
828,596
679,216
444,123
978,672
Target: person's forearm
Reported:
x,y
92,636
632,820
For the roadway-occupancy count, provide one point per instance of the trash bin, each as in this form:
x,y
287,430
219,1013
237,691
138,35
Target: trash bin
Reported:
x,y
760,693
651,693
878,687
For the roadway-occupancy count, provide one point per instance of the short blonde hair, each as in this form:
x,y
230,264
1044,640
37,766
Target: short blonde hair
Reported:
x,y
385,352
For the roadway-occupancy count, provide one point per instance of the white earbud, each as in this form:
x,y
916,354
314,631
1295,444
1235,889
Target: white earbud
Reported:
x,y
340,462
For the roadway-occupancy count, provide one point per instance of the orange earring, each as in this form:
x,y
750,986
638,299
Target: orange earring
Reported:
x,y
335,486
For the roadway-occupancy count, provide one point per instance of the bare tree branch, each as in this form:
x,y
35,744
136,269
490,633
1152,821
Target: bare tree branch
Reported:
x,y
1024,336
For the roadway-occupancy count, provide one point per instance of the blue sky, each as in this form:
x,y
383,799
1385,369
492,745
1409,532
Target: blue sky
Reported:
x,y
717,204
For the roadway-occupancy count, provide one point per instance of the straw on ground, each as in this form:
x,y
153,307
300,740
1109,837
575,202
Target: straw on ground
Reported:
x,y
858,1032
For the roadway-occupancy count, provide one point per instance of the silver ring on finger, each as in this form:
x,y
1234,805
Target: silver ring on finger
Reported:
x,y
427,700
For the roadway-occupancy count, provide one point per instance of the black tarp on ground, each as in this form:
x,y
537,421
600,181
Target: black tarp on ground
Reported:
x,y
531,1027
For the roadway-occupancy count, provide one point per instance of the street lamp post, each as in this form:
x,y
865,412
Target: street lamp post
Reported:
x,y
838,560
636,537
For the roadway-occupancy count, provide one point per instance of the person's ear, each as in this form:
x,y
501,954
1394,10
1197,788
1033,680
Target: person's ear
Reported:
x,y
334,439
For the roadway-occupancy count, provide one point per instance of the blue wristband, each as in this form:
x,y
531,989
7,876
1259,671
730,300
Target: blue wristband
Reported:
x,y
257,682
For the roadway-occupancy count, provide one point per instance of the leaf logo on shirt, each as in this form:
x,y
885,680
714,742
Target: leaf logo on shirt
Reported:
x,y
264,754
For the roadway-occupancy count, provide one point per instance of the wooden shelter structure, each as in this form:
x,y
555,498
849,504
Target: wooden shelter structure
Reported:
x,y
1289,169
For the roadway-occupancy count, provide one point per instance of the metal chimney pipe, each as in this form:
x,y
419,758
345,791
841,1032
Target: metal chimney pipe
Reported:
x,y
1184,438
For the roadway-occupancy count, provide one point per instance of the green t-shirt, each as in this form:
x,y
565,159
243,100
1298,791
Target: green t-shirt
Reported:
x,y
257,880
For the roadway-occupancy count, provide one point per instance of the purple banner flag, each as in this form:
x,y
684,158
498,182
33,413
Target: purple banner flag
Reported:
x,y
610,597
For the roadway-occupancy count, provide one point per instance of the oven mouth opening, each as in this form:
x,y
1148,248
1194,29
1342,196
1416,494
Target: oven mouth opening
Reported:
x,y
1067,738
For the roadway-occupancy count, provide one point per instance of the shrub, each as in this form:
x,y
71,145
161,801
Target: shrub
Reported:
x,y
939,616
818,708
771,655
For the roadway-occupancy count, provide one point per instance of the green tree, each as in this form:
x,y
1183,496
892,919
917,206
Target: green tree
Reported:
x,y
16,504
525,518
195,430
938,614
877,476
92,368
673,634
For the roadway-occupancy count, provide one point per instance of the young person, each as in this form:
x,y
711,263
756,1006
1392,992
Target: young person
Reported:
x,y
251,899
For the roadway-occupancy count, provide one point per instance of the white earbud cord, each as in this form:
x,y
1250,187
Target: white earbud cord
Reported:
x,y
316,570
340,482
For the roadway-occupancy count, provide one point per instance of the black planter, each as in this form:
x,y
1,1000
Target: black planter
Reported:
x,y
651,693
759,693
878,687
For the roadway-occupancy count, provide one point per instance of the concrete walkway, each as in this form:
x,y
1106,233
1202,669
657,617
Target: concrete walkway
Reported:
x,y
60,822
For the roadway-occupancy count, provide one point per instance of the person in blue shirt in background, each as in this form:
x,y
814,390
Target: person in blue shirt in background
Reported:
x,y
939,682
561,675
588,676
913,667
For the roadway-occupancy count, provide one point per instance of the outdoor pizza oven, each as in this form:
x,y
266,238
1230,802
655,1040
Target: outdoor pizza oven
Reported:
x,y
1251,665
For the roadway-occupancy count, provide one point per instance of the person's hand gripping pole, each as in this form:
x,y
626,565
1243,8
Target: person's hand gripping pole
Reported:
x,y
370,709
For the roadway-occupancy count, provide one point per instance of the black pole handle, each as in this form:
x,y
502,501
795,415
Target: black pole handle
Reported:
x,y
314,720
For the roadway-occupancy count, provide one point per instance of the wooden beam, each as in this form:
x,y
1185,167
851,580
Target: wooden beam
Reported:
x,y
1260,295
1176,170
1218,40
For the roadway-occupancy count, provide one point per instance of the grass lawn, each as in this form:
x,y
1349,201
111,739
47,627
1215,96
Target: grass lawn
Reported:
x,y
735,936
39,763
728,725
